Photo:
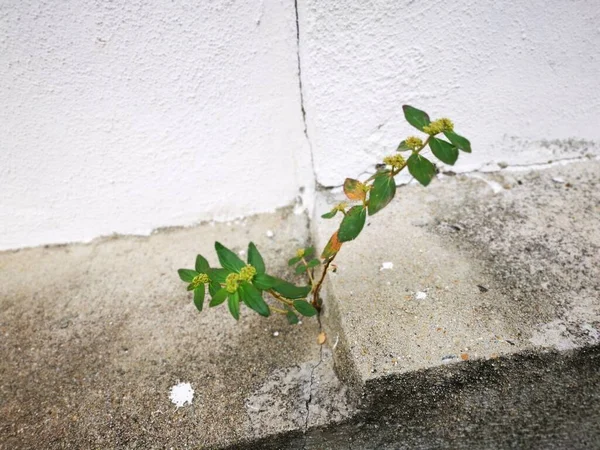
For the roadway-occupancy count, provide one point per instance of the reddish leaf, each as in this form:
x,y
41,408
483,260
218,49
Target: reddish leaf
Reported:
x,y
332,247
354,189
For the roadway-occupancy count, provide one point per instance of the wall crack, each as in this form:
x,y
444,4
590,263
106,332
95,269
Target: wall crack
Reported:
x,y
302,104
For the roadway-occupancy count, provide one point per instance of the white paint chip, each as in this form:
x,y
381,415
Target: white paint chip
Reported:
x,y
420,295
181,394
270,233
387,266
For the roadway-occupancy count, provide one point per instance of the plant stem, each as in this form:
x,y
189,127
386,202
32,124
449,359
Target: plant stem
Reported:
x,y
310,277
280,298
277,310
397,171
315,301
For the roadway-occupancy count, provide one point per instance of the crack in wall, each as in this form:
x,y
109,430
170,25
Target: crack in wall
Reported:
x,y
302,105
480,170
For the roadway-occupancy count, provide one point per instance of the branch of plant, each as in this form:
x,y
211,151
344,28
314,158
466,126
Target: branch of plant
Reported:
x,y
310,277
280,298
317,289
277,310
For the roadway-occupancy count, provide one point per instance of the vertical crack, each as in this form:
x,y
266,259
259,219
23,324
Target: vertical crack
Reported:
x,y
301,90
310,387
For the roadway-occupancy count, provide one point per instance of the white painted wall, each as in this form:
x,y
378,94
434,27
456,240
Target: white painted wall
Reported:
x,y
125,116
509,73
129,115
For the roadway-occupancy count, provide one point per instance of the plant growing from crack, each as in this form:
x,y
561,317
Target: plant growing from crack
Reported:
x,y
240,282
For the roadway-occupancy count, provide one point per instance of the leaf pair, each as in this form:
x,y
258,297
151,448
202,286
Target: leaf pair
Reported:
x,y
420,167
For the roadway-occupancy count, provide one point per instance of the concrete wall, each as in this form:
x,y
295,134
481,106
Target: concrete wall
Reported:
x,y
509,73
127,116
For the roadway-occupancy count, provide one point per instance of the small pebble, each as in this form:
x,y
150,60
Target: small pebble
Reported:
x,y
420,295
270,234
387,266
276,333
558,180
448,359
181,394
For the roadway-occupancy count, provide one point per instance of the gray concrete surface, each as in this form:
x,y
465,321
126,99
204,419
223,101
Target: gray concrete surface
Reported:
x,y
486,269
484,334
92,338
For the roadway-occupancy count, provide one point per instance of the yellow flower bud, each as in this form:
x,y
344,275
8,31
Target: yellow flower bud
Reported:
x,y
200,279
413,142
394,160
247,273
232,282
300,253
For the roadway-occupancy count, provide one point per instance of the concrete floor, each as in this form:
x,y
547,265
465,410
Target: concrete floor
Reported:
x,y
485,334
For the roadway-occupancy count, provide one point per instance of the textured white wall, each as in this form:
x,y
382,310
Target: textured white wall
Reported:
x,y
129,115
126,116
509,73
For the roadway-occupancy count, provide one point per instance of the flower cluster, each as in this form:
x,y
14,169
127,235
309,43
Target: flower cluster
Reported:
x,y
438,126
413,142
394,160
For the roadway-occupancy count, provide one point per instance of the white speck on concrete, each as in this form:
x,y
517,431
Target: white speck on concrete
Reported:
x,y
181,394
558,180
420,295
276,333
242,253
387,266
270,233
337,339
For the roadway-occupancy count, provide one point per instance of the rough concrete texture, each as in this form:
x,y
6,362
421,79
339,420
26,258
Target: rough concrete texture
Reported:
x,y
484,334
483,267
486,269
94,336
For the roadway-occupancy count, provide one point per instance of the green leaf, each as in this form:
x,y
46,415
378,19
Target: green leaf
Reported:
x,y
459,141
314,262
213,288
308,251
219,297
332,247
202,265
233,303
421,168
255,258
444,151
187,275
219,275
300,269
253,299
382,193
291,291
354,189
294,260
402,147
305,308
291,318
228,259
264,282
416,117
330,214
190,287
353,223
199,294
